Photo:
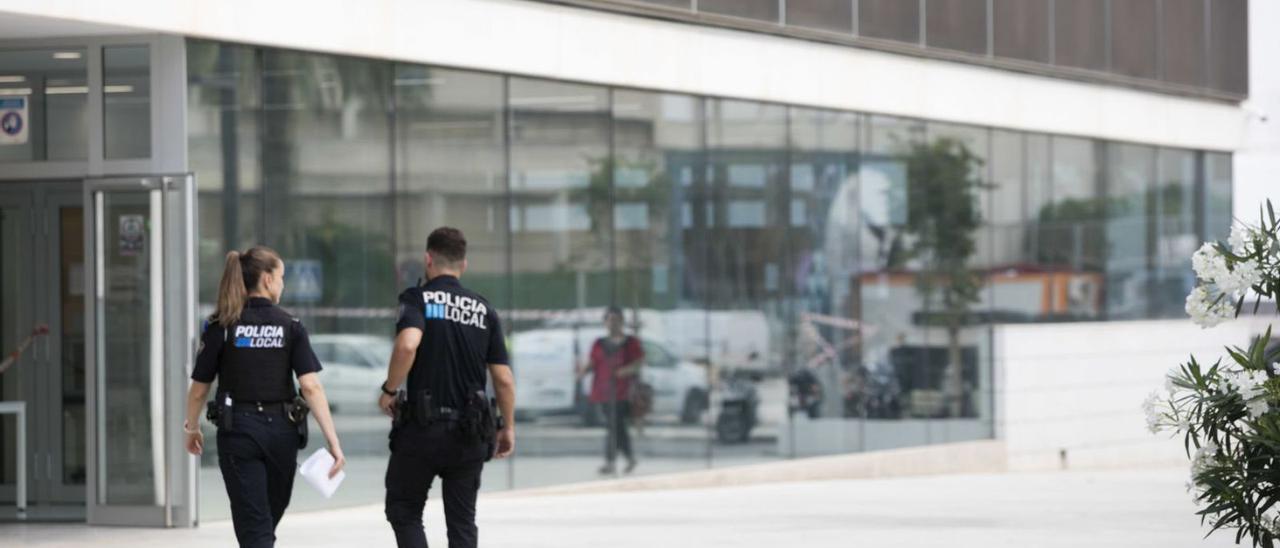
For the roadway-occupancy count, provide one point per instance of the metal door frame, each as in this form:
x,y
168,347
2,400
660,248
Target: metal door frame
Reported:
x,y
173,198
42,200
49,199
22,198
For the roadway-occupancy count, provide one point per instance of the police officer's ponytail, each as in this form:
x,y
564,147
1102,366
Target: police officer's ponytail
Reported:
x,y
242,272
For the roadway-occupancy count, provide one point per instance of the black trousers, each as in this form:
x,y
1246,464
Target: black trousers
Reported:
x,y
258,458
418,455
617,416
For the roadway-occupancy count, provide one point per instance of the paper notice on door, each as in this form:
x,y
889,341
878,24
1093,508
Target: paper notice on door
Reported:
x,y
315,470
133,234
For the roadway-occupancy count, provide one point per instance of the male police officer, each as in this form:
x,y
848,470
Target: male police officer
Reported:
x,y
447,337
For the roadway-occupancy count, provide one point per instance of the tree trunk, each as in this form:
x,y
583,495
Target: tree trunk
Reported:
x,y
955,372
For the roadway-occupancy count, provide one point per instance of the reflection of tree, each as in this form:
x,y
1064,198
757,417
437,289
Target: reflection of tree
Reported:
x,y
634,249
357,262
943,218
1068,233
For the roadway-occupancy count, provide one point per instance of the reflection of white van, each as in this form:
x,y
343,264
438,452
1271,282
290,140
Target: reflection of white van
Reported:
x,y
354,367
544,362
732,339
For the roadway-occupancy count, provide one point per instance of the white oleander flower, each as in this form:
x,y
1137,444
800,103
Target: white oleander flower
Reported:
x,y
1155,421
1204,456
1181,425
1241,237
1257,407
1270,520
1204,311
1209,264
1170,382
1243,276
1275,368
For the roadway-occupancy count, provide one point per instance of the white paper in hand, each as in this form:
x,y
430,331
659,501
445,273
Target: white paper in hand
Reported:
x,y
315,470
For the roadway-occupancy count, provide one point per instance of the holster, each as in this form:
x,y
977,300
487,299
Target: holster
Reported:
x,y
219,412
298,415
422,408
478,425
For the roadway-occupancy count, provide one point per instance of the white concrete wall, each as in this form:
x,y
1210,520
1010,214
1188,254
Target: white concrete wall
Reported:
x,y
1080,387
1257,164
546,40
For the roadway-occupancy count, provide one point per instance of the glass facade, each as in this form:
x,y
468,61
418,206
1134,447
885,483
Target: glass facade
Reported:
x,y
1191,46
53,86
801,281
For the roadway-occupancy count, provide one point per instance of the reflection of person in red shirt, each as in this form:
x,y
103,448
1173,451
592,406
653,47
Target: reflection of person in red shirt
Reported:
x,y
615,360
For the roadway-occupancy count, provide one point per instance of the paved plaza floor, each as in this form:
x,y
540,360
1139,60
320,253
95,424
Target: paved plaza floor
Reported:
x,y
1131,508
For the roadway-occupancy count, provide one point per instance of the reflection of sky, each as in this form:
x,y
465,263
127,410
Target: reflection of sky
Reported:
x,y
748,175
884,198
550,218
631,216
550,179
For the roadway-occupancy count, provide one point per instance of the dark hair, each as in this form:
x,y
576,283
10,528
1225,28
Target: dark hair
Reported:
x,y
447,244
614,309
243,271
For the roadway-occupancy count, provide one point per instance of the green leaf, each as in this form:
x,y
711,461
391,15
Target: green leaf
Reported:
x,y
1239,357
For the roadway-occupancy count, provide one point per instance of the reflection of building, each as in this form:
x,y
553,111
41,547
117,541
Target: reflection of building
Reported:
x,y
748,193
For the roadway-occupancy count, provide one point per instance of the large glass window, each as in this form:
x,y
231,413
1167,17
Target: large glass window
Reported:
x,y
1216,204
660,234
223,113
921,294
451,171
561,281
126,102
826,379
1069,232
1129,176
957,24
46,95
746,274
797,281
450,157
1176,237
1017,285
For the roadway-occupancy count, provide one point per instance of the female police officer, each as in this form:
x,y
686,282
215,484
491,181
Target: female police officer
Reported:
x,y
251,346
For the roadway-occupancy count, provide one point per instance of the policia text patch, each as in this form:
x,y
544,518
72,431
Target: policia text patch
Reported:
x,y
259,336
443,305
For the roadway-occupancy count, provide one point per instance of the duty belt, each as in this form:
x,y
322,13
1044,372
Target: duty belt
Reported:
x,y
262,407
432,414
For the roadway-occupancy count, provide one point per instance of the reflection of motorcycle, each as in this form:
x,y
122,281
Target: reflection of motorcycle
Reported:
x,y
876,396
805,394
739,404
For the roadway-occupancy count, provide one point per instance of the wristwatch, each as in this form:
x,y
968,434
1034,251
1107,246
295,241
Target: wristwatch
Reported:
x,y
385,391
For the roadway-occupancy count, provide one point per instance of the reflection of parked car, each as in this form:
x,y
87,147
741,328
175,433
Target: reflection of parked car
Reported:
x,y
354,368
543,361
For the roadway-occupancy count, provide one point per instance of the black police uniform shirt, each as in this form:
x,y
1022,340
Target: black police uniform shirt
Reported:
x,y
461,336
252,359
